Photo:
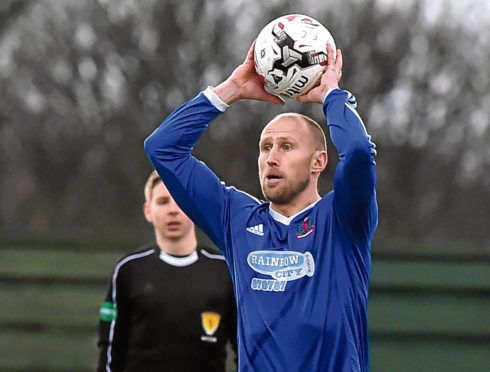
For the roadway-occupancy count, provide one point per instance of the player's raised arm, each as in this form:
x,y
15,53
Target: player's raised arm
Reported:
x,y
355,175
197,190
244,83
193,185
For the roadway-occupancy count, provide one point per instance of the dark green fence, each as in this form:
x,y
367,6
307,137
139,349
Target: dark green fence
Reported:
x,y
427,311
430,312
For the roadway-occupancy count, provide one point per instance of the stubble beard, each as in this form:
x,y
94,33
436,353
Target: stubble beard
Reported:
x,y
285,195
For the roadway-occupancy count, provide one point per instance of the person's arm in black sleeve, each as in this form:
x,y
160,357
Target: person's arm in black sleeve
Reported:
x,y
232,329
113,328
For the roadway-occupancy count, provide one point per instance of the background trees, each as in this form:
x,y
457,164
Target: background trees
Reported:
x,y
83,83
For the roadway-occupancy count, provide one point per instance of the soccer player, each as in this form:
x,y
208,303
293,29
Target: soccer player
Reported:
x,y
170,306
300,263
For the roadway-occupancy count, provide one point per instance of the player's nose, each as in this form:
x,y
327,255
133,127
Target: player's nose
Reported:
x,y
173,207
272,158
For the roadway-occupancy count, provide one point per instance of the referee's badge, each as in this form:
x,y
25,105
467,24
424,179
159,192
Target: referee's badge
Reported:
x,y
210,323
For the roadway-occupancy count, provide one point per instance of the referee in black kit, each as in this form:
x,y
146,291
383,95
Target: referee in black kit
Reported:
x,y
170,306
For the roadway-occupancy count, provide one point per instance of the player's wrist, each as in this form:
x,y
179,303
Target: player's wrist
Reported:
x,y
215,100
328,91
228,91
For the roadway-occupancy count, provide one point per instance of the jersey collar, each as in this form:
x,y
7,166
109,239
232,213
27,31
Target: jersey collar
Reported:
x,y
178,261
287,220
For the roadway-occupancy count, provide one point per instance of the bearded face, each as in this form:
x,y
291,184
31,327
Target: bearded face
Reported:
x,y
286,152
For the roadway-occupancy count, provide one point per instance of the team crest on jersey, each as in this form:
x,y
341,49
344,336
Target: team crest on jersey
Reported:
x,y
210,322
305,228
282,266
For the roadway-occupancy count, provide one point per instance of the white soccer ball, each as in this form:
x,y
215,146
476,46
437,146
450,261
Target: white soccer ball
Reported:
x,y
291,54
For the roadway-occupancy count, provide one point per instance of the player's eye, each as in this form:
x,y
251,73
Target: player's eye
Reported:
x,y
287,146
266,147
163,201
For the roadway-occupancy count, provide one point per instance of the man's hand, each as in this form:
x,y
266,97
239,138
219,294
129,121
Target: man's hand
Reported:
x,y
330,78
244,83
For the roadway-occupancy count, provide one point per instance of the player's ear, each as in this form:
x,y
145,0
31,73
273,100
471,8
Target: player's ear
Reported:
x,y
147,212
319,161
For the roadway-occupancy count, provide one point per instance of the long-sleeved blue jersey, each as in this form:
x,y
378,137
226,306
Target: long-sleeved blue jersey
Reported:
x,y
300,282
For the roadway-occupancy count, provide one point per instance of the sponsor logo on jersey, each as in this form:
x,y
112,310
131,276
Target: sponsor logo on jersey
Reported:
x,y
282,266
305,228
108,312
257,229
210,323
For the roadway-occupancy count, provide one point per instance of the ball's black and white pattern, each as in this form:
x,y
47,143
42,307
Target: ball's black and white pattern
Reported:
x,y
291,54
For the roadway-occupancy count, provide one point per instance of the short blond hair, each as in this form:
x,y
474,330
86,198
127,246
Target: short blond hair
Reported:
x,y
150,184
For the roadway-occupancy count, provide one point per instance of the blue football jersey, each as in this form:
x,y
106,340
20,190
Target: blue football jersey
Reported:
x,y
300,282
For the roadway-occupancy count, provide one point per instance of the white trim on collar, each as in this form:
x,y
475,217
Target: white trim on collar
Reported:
x,y
287,220
178,261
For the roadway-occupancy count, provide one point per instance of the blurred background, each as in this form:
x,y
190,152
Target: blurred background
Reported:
x,y
82,83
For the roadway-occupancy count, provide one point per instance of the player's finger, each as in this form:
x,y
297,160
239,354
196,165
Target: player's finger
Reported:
x,y
339,61
330,56
250,54
274,99
303,98
263,95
